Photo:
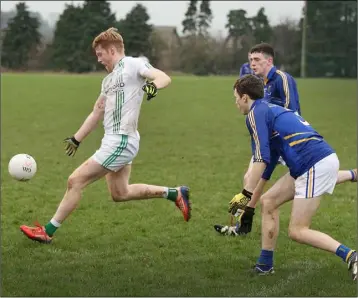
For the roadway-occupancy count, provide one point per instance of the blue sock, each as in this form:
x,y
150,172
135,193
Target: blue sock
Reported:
x,y
353,175
265,260
344,252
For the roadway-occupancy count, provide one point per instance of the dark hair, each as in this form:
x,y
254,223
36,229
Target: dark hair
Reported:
x,y
263,48
250,85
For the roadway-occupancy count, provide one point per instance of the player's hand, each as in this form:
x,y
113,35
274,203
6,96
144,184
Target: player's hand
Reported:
x,y
239,202
244,221
150,89
71,146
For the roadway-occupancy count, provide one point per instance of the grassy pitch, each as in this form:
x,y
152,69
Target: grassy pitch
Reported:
x,y
191,134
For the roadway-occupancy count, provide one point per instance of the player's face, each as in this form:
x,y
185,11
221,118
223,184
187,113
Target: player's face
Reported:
x,y
105,57
241,103
260,63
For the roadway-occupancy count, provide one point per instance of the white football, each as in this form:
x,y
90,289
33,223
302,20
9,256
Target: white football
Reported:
x,y
22,167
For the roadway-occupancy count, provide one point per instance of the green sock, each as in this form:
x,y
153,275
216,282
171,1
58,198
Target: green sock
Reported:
x,y
172,194
50,229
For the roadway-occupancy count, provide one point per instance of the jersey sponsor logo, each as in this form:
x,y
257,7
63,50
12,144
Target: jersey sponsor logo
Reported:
x,y
114,88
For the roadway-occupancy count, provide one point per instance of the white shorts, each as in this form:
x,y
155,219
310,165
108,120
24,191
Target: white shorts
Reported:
x,y
116,151
319,179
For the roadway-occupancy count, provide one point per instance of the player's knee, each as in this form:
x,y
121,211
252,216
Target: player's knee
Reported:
x,y
119,195
267,204
75,181
295,233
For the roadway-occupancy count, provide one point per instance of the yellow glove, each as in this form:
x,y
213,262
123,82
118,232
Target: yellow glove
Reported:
x,y
150,89
239,202
71,146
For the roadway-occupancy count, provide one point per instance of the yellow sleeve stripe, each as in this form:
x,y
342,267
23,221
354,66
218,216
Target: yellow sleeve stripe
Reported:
x,y
254,134
285,87
296,134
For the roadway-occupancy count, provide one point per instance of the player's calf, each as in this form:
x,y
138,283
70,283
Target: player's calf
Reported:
x,y
180,195
347,176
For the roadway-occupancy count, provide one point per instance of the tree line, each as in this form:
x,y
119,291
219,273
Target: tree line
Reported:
x,y
330,47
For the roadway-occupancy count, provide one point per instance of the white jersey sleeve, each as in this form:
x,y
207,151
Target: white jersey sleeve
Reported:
x,y
143,67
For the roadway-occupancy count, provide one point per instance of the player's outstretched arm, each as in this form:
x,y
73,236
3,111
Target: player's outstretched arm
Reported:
x,y
72,143
260,145
159,78
92,120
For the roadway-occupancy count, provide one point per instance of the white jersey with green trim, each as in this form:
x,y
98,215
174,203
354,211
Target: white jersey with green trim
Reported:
x,y
122,89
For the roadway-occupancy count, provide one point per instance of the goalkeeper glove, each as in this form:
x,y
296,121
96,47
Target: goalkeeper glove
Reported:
x,y
239,202
244,222
71,146
150,89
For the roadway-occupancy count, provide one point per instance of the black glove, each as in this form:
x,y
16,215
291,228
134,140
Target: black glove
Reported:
x,y
71,146
150,89
244,221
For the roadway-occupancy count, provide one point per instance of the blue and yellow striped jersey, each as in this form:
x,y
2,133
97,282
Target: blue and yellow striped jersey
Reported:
x,y
245,70
276,131
281,89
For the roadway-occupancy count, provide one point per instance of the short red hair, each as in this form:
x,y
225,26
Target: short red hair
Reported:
x,y
107,38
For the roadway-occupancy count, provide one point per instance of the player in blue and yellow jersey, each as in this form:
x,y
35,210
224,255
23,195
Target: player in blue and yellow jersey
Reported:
x,y
313,164
280,88
245,68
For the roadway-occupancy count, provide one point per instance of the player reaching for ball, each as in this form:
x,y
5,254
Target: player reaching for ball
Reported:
x,y
118,105
312,163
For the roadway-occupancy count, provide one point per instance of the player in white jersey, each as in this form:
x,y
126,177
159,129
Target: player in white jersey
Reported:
x,y
118,105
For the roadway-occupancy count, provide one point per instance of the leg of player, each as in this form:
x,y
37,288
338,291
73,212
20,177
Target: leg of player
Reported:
x,y
347,175
282,191
121,191
309,188
84,175
299,230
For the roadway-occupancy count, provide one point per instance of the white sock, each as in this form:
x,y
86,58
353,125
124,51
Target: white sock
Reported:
x,y
55,223
166,191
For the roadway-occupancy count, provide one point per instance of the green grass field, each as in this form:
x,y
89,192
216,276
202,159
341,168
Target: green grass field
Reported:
x,y
191,134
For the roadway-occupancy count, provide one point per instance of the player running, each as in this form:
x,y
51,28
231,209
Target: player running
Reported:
x,y
118,105
312,163
279,88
